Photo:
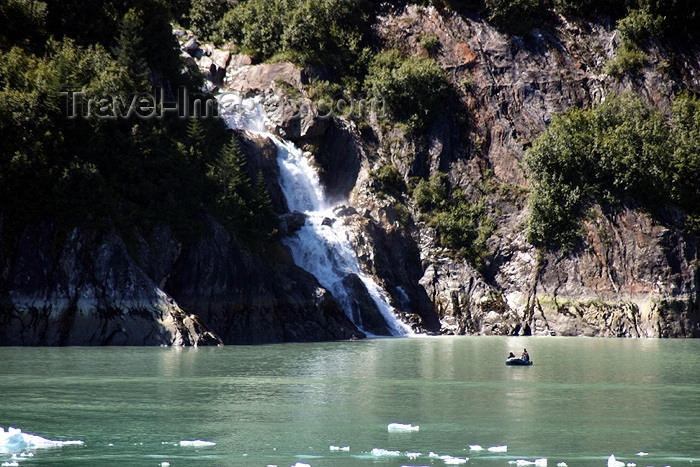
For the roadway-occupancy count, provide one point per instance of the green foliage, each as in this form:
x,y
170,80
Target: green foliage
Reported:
x,y
23,23
684,169
131,170
204,16
242,207
131,50
429,42
431,194
622,150
628,59
462,226
388,181
465,227
329,35
518,16
414,89
639,25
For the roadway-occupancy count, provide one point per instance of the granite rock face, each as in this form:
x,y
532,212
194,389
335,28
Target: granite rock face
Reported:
x,y
633,277
88,292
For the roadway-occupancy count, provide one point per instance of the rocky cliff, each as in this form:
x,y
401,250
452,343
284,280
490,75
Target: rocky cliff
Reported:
x,y
633,277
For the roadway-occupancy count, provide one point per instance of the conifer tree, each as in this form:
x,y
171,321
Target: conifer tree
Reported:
x,y
131,50
266,220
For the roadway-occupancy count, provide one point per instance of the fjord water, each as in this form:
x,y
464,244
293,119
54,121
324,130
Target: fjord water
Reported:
x,y
582,400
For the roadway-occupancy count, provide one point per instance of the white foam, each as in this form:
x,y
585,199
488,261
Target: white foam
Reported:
x,y
196,443
498,449
378,452
15,440
339,448
10,464
413,455
475,447
401,427
612,462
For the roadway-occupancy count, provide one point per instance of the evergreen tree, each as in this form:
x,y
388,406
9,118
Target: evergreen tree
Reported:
x,y
131,50
266,220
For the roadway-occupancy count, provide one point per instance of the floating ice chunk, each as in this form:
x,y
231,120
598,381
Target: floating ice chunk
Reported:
x,y
498,449
642,453
412,455
449,460
339,448
197,443
537,462
562,464
400,427
10,464
301,464
475,447
14,440
631,464
432,455
384,452
165,464
612,462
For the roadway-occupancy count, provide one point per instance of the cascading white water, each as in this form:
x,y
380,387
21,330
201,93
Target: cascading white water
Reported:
x,y
321,249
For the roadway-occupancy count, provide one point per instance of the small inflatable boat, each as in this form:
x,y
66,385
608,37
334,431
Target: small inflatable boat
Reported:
x,y
518,362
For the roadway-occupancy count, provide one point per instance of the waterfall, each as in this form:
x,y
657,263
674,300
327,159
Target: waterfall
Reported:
x,y
321,246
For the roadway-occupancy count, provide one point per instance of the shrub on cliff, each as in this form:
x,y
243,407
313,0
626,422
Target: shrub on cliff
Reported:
x,y
328,35
622,150
413,89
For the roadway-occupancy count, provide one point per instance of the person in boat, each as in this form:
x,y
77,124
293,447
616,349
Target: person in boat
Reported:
x,y
511,355
525,356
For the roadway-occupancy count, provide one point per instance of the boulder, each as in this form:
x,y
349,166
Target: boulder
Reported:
x,y
252,80
191,47
291,222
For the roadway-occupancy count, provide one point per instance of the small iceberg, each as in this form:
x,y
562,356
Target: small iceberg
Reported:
x,y
413,455
562,464
612,462
301,464
340,448
642,453
14,440
196,443
542,462
449,460
401,427
475,447
378,452
498,449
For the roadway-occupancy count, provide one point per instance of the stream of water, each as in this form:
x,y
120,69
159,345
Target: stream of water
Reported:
x,y
321,246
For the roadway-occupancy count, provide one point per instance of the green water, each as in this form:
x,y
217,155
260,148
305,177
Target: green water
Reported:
x,y
582,400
